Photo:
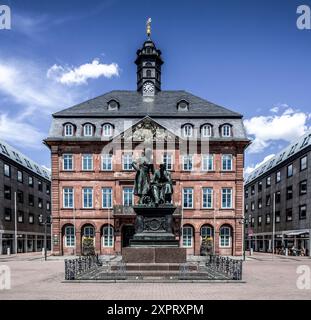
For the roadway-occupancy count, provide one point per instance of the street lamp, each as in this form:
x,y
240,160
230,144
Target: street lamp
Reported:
x,y
47,221
244,222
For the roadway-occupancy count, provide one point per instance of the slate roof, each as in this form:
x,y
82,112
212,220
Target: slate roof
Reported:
x,y
9,152
133,103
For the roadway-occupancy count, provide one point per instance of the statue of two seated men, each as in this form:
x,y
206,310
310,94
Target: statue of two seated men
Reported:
x,y
154,190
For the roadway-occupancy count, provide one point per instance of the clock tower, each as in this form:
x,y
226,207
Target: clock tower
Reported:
x,y
149,64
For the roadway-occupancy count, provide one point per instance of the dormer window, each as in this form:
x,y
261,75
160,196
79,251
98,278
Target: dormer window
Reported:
x,y
107,130
187,130
88,130
183,106
206,130
226,130
68,130
113,105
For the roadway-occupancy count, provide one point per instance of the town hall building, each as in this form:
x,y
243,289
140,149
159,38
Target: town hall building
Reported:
x,y
94,143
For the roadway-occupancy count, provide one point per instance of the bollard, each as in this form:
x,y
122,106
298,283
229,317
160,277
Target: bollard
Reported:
x,y
286,251
251,251
8,252
42,252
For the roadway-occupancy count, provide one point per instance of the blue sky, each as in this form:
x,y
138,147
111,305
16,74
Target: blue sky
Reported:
x,y
247,55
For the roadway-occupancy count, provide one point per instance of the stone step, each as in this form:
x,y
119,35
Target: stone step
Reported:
x,y
155,267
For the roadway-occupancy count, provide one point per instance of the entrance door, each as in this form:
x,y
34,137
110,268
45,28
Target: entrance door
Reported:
x,y
127,234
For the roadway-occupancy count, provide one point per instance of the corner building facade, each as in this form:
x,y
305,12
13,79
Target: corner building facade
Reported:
x,y
94,143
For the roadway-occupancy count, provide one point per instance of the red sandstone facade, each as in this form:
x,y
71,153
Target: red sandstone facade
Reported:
x,y
117,179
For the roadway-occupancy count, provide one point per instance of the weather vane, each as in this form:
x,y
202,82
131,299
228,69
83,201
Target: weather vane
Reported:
x,y
149,27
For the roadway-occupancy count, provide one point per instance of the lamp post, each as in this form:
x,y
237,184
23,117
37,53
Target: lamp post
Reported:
x,y
244,222
46,222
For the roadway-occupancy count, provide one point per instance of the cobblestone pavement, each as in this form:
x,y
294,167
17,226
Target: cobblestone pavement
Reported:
x,y
266,277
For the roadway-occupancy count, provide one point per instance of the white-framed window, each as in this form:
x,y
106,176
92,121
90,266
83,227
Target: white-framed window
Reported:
x,y
107,198
188,130
207,162
69,236
108,236
128,196
68,197
87,162
88,130
206,231
68,162
187,162
226,198
107,130
206,131
107,162
89,232
167,160
226,163
207,198
127,160
226,130
188,198
69,130
87,198
225,237
187,237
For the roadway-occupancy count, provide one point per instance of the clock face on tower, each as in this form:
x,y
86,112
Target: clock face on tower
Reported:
x,y
148,89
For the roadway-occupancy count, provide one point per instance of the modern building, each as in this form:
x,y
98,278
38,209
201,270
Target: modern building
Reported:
x,y
25,202
94,143
278,200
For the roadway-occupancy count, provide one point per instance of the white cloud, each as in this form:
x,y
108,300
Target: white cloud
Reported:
x,y
26,85
263,130
80,75
248,170
274,109
20,133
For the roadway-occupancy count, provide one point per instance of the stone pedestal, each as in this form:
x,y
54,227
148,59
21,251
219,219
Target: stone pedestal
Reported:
x,y
154,255
154,227
154,241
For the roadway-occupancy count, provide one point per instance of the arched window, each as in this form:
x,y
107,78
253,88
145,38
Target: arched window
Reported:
x,y
69,236
148,73
89,232
108,236
68,130
188,130
187,237
207,232
107,130
206,131
225,237
226,130
88,130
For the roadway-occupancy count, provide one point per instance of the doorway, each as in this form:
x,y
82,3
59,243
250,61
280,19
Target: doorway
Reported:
x,y
128,232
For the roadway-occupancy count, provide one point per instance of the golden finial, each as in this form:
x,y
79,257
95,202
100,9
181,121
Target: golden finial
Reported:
x,y
149,27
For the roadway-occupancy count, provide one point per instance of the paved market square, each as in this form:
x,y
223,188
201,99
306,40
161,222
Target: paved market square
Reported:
x,y
265,277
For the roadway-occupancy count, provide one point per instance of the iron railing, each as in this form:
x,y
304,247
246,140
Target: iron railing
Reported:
x,y
79,266
231,268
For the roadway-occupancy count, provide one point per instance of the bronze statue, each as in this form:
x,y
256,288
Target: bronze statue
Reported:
x,y
162,186
155,191
143,167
